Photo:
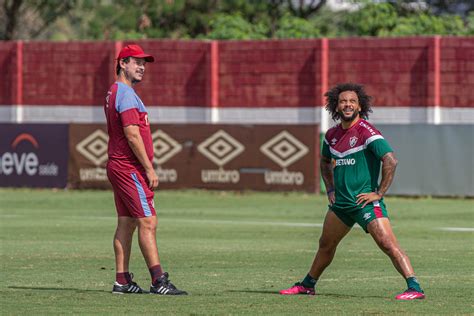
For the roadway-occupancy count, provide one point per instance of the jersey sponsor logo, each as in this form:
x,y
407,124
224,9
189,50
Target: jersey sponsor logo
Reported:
x,y
353,141
220,148
165,147
345,162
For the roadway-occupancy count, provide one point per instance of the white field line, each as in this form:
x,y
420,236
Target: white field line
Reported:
x,y
396,277
237,222
457,229
294,224
191,221
229,222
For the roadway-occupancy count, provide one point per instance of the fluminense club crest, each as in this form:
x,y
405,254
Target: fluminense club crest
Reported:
x,y
353,141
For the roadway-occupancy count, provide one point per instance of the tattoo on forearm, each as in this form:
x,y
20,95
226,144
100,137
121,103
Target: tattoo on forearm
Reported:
x,y
327,172
389,164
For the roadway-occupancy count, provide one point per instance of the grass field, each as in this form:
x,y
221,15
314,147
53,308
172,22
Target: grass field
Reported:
x,y
231,251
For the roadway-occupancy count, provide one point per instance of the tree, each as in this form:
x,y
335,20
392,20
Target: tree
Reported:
x,y
294,27
27,19
226,19
470,24
425,24
305,8
400,18
185,18
372,19
282,9
443,7
331,23
226,26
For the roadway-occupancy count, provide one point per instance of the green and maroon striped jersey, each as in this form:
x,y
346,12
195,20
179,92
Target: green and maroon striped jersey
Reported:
x,y
356,155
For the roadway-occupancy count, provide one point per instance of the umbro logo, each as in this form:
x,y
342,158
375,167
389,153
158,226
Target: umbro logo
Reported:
x,y
284,149
164,146
94,147
221,148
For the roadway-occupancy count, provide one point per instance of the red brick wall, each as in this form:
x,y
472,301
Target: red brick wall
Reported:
x,y
179,76
457,71
73,73
269,73
395,71
9,76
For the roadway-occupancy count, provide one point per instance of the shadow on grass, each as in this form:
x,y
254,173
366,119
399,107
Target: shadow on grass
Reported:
x,y
349,296
273,292
270,292
54,289
254,291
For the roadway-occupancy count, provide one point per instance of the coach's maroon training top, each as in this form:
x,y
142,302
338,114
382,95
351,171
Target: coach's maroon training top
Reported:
x,y
123,107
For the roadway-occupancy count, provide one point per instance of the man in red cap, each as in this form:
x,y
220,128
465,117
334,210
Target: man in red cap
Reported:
x,y
131,173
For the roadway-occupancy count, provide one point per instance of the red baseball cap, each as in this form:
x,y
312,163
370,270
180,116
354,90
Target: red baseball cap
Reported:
x,y
135,51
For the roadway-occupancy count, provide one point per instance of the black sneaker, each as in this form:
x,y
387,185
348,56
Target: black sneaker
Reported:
x,y
163,286
129,288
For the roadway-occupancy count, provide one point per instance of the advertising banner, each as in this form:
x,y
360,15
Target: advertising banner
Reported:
x,y
88,156
33,155
232,157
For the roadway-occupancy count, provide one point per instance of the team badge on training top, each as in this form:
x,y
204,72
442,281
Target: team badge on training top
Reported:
x,y
353,141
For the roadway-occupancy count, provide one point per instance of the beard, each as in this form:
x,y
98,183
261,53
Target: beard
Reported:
x,y
137,80
348,118
134,77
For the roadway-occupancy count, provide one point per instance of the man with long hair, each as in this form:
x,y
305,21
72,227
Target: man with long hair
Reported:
x,y
350,165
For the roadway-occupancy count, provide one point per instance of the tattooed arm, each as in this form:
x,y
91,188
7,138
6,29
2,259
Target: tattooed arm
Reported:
x,y
389,164
328,178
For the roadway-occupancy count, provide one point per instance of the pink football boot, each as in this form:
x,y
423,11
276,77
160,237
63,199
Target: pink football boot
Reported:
x,y
409,295
298,288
